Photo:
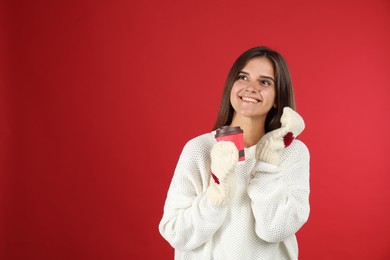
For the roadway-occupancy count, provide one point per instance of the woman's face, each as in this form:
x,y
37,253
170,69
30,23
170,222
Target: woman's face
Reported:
x,y
253,93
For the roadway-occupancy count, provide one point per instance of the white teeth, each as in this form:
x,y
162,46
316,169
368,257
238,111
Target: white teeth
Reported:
x,y
250,99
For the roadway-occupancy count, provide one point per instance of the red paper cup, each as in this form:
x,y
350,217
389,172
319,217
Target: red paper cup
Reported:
x,y
235,135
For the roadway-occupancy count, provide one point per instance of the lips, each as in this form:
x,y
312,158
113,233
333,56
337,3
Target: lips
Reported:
x,y
250,99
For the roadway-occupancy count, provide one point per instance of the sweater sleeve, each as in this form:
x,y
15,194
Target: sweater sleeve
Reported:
x,y
280,194
189,220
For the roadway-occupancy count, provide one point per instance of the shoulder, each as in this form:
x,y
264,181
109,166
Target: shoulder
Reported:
x,y
299,146
204,141
196,152
200,145
297,150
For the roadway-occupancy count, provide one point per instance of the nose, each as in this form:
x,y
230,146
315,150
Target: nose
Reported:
x,y
252,87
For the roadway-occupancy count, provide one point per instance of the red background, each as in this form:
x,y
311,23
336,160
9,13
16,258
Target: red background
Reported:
x,y
99,97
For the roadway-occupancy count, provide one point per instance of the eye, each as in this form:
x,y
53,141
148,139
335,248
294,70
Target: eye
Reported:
x,y
265,83
242,77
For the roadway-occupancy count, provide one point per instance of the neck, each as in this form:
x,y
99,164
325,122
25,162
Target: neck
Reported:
x,y
253,129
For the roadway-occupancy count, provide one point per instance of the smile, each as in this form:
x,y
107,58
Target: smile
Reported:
x,y
249,99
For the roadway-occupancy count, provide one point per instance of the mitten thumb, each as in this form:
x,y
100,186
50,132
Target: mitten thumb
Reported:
x,y
292,122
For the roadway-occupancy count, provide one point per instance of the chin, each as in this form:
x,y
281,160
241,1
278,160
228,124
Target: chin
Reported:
x,y
250,114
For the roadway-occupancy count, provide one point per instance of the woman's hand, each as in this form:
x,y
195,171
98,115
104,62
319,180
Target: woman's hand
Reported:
x,y
273,142
224,158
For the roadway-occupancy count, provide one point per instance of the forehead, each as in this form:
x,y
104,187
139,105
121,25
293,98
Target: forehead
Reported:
x,y
259,66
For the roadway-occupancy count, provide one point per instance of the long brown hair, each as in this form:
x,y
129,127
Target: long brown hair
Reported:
x,y
284,95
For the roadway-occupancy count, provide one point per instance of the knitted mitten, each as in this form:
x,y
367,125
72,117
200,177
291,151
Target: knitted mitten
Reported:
x,y
273,142
224,157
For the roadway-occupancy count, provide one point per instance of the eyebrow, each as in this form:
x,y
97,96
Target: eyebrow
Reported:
x,y
265,77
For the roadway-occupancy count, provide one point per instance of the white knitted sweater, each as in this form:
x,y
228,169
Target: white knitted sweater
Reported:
x,y
270,204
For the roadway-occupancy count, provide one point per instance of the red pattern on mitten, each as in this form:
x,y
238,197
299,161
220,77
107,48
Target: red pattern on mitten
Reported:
x,y
288,138
215,178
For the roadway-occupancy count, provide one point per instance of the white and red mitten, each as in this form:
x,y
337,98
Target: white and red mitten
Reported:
x,y
270,145
224,158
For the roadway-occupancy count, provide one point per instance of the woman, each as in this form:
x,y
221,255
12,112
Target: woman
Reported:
x,y
219,208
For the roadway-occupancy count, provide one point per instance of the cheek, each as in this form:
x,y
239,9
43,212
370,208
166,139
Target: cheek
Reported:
x,y
235,88
234,91
270,95
232,99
